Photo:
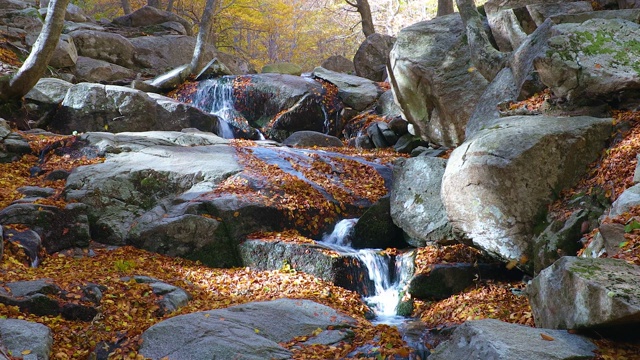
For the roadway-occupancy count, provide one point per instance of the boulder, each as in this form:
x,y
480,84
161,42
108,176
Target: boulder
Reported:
x,y
28,240
20,336
106,46
253,330
607,241
381,135
540,12
387,106
74,13
94,71
375,228
311,139
66,54
355,92
627,200
582,293
282,68
371,59
96,107
416,206
432,79
344,270
48,91
497,340
214,68
148,16
150,52
339,63
505,26
497,185
592,61
560,238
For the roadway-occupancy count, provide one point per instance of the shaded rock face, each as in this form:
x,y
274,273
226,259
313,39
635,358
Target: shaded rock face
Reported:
x,y
493,339
253,330
431,80
371,59
151,52
96,107
20,335
104,46
498,183
594,60
416,206
340,64
148,16
375,228
580,293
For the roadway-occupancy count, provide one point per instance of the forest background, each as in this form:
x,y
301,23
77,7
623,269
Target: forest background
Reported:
x,y
304,32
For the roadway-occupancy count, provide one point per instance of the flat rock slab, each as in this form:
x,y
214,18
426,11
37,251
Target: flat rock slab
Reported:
x,y
491,339
20,335
584,293
248,331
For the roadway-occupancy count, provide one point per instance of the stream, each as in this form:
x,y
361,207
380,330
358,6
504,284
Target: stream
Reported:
x,y
390,274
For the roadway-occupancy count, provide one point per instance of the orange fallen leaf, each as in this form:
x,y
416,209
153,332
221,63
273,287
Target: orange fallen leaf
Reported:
x,y
546,337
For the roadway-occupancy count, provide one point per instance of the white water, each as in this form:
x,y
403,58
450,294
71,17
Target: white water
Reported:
x,y
216,97
387,287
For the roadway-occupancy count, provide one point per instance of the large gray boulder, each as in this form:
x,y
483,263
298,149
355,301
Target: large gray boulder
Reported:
x,y
583,293
498,183
491,339
151,52
148,16
95,107
371,59
48,91
432,79
21,335
106,46
354,91
416,206
339,63
250,331
141,170
66,54
94,70
593,60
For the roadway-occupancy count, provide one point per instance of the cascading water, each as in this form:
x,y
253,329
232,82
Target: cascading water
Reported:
x,y
216,97
388,282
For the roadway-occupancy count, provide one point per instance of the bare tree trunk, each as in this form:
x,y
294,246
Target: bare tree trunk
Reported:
x,y
36,63
203,36
445,7
362,6
126,6
170,6
154,3
487,59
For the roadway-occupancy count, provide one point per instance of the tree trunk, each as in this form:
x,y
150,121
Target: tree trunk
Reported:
x,y
36,63
363,8
126,7
203,36
445,7
154,3
487,59
170,6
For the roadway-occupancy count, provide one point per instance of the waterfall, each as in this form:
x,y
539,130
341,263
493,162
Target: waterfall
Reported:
x,y
216,97
388,274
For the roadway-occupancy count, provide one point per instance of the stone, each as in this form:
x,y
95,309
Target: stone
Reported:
x,y
499,182
416,206
355,92
407,143
541,12
591,61
148,16
49,91
29,241
441,281
339,63
105,46
582,293
431,80
371,58
19,336
505,27
496,340
311,139
94,71
627,200
26,288
282,68
214,68
375,132
151,54
252,329
342,270
560,238
66,54
607,241
375,228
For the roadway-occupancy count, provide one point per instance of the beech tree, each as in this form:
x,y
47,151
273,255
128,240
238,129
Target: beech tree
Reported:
x,y
16,86
445,7
363,8
197,61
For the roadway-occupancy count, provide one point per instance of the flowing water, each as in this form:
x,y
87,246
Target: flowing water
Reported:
x,y
389,275
216,97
